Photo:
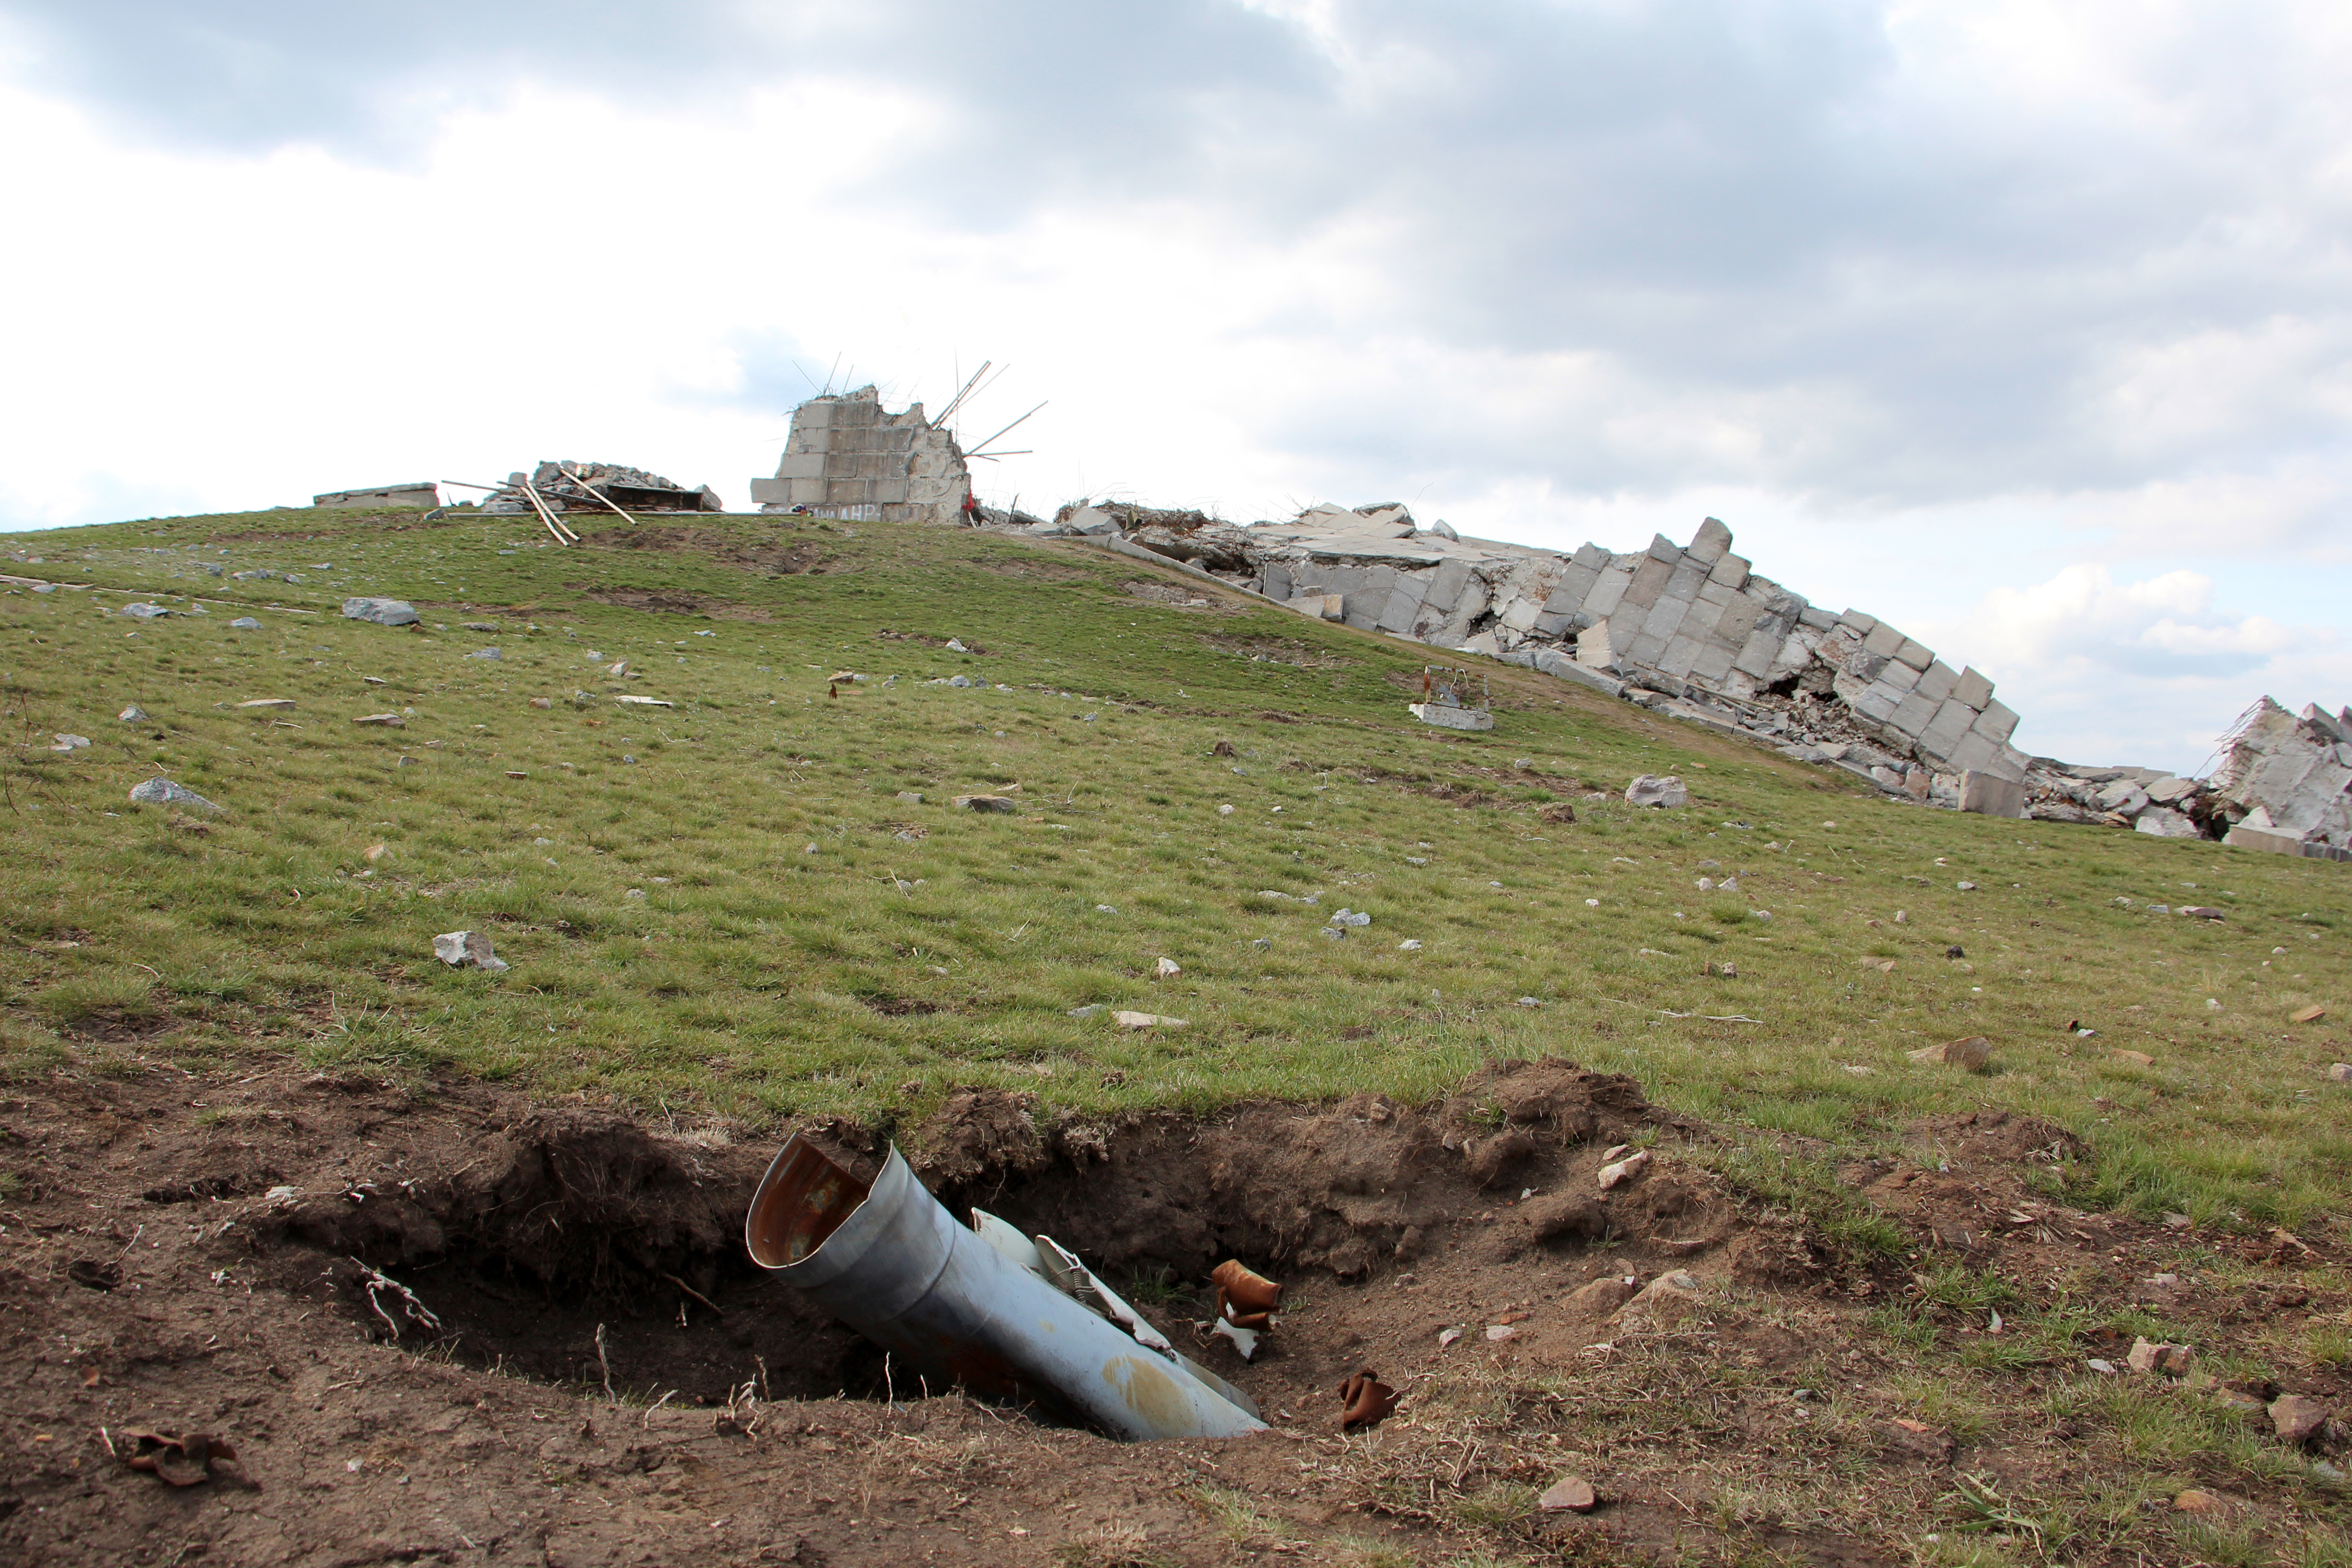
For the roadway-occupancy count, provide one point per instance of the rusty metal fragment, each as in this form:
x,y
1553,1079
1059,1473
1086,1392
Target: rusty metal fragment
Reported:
x,y
1365,1401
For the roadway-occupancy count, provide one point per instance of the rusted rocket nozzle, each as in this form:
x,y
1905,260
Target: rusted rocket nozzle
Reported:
x,y
1245,1299
1365,1401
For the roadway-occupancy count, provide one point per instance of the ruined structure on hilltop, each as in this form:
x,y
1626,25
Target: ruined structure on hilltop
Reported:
x,y
1692,632
846,457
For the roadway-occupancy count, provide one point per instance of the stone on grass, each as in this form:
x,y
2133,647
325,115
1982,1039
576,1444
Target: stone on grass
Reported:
x,y
134,714
164,792
2297,1419
1127,1020
265,705
2150,1356
1088,1011
910,797
468,949
1667,1297
381,612
2203,912
2311,1015
381,720
2339,1072
1570,1494
542,702
2137,1058
486,653
69,743
633,701
1347,917
1624,1170
1971,1055
1655,789
145,612
1167,969
986,802
246,624
1410,944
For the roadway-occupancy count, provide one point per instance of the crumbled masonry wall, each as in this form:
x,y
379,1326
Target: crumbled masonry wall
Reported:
x,y
423,495
572,486
1693,632
846,457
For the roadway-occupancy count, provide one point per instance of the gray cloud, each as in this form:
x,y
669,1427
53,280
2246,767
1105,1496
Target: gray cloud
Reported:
x,y
1909,287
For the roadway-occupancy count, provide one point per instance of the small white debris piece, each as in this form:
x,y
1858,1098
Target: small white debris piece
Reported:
x,y
2103,1367
633,701
246,624
1410,944
1497,1333
1127,1020
1088,1011
134,714
1447,1337
1168,969
1966,886
1624,1170
1104,910
468,949
282,1194
381,720
1592,904
1244,1340
267,704
1351,918
69,743
1224,811
955,645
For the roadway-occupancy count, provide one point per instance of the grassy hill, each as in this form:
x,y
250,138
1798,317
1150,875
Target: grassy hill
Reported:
x,y
733,903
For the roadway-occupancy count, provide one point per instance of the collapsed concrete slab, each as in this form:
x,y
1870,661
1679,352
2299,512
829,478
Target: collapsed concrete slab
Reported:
x,y
421,496
599,487
846,457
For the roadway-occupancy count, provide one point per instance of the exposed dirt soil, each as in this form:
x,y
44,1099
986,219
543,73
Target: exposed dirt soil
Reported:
x,y
671,600
774,553
446,1323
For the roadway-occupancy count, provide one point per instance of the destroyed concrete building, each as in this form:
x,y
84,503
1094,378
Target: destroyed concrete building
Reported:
x,y
599,486
423,495
847,458
1693,632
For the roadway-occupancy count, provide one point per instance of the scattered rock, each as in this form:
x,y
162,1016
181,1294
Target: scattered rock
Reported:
x,y
2137,1058
1971,1055
1570,1494
487,653
955,645
1667,1297
1660,790
2297,1419
134,714
1167,969
2203,912
265,705
1447,1336
69,743
2105,1368
143,612
633,701
1966,886
379,611
987,803
2340,1072
1601,1297
542,702
468,949
910,797
1410,944
1351,918
1127,1020
383,721
164,791
1088,1011
246,624
2311,1015
1624,1170
1497,1333
2147,1357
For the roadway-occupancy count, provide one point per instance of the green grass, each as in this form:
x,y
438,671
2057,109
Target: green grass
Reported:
x,y
747,918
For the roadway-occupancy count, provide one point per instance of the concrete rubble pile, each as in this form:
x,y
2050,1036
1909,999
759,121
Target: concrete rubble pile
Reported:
x,y
847,458
1693,632
576,486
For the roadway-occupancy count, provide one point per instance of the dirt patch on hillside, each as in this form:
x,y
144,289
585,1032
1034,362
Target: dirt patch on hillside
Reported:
x,y
446,1323
672,601
774,554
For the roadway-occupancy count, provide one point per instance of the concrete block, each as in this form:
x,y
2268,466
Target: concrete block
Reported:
x,y
889,493
1862,624
1520,614
1275,583
1403,606
1686,580
1701,619
1590,556
2008,762
846,492
1901,677
1573,590
1711,542
1642,650
1741,617
1731,571
2270,840
771,492
1997,723
1756,655
1817,619
1320,606
814,414
1365,608
801,465
1913,715
1662,548
1682,652
1607,594
1714,593
1936,681
1915,654
806,492
1973,750
1555,664
1593,647
1713,664
1665,617
1446,583
1952,721
1973,689
1448,717
1883,640
1649,580
1988,794
1878,704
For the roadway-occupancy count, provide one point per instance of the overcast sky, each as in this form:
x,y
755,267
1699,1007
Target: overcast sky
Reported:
x,y
2025,327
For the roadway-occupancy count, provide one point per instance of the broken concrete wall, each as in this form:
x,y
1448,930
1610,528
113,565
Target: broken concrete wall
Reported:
x,y
846,457
572,486
423,495
2284,780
